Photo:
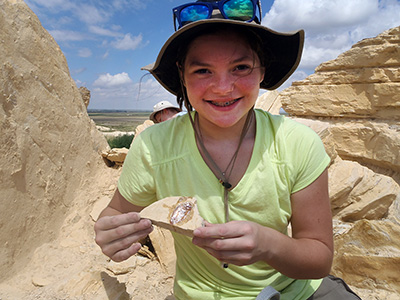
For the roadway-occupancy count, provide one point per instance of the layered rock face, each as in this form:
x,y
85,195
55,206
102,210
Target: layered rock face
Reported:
x,y
353,102
49,146
359,92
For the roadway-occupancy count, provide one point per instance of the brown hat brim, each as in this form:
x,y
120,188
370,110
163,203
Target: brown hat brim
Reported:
x,y
282,52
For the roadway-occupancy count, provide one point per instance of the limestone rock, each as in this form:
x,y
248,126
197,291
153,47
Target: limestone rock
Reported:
x,y
48,145
142,127
362,82
270,102
163,243
368,256
179,214
372,142
85,93
123,267
115,156
358,193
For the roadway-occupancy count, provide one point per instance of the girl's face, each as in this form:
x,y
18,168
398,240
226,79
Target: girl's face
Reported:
x,y
222,76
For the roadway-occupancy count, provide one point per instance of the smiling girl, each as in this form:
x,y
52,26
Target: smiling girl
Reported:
x,y
251,172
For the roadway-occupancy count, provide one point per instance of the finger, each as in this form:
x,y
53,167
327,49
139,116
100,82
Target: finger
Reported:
x,y
217,231
110,222
125,243
138,229
126,253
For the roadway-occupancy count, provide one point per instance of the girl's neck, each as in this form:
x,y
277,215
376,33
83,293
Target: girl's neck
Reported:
x,y
210,131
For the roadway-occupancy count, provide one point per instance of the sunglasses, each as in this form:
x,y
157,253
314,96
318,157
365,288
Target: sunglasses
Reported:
x,y
241,10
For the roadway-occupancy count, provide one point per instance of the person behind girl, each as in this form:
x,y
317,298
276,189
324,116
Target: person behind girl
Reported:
x,y
251,172
163,111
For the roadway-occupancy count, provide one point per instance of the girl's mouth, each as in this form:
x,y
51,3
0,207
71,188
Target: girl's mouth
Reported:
x,y
223,104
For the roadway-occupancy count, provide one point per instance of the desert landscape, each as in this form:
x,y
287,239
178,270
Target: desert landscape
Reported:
x,y
56,175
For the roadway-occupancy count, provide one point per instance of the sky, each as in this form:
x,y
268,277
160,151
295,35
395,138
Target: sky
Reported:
x,y
106,42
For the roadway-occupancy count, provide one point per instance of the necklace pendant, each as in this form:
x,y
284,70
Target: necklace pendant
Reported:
x,y
226,185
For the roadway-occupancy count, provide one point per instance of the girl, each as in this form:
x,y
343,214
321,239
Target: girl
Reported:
x,y
252,173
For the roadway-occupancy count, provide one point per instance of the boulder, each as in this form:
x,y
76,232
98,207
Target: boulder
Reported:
x,y
49,146
115,156
368,257
358,193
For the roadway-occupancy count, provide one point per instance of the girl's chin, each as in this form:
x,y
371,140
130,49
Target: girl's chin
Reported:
x,y
223,122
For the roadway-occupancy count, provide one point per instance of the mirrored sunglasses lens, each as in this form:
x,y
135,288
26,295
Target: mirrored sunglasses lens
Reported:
x,y
193,13
242,10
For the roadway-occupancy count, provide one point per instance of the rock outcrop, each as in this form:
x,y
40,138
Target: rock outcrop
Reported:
x,y
49,146
85,93
353,103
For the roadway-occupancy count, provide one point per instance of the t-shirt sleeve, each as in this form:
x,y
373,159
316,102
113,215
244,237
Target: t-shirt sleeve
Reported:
x,y
136,183
307,154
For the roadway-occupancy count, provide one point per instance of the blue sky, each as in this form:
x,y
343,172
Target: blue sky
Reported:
x,y
106,42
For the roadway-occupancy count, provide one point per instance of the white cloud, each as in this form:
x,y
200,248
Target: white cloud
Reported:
x,y
103,31
77,71
79,83
90,14
123,4
128,42
67,35
105,55
332,27
85,52
138,96
107,80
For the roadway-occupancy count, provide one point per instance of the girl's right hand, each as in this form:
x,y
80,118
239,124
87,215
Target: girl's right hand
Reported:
x,y
118,235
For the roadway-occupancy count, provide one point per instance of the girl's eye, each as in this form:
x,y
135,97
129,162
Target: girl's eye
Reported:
x,y
243,68
201,71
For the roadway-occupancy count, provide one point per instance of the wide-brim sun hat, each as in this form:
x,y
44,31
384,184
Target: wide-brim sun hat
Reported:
x,y
282,52
159,107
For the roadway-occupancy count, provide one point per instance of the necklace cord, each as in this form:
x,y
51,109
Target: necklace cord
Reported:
x,y
223,176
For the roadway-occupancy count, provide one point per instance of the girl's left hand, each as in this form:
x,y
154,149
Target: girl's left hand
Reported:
x,y
235,242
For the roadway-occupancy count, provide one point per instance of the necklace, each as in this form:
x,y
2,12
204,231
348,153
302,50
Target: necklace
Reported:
x,y
222,176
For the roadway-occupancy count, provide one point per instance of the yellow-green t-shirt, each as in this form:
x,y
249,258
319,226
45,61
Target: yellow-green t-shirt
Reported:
x,y
164,161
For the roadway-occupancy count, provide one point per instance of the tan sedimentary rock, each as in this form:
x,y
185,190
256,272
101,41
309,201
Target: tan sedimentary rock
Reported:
x,y
85,95
353,103
358,193
115,156
363,82
164,247
370,142
49,146
269,101
179,214
368,256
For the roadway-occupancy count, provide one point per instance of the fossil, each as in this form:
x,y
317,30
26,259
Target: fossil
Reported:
x,y
179,214
182,211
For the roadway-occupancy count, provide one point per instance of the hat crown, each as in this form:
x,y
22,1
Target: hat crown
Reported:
x,y
161,105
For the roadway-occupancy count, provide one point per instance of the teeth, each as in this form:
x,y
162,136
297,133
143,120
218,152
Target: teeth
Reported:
x,y
223,104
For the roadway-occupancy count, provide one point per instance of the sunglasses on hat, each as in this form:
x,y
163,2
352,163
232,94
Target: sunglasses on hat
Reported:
x,y
240,10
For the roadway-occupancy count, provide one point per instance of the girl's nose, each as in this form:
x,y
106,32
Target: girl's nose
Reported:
x,y
223,83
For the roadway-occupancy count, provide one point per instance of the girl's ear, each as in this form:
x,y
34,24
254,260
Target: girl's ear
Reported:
x,y
180,71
